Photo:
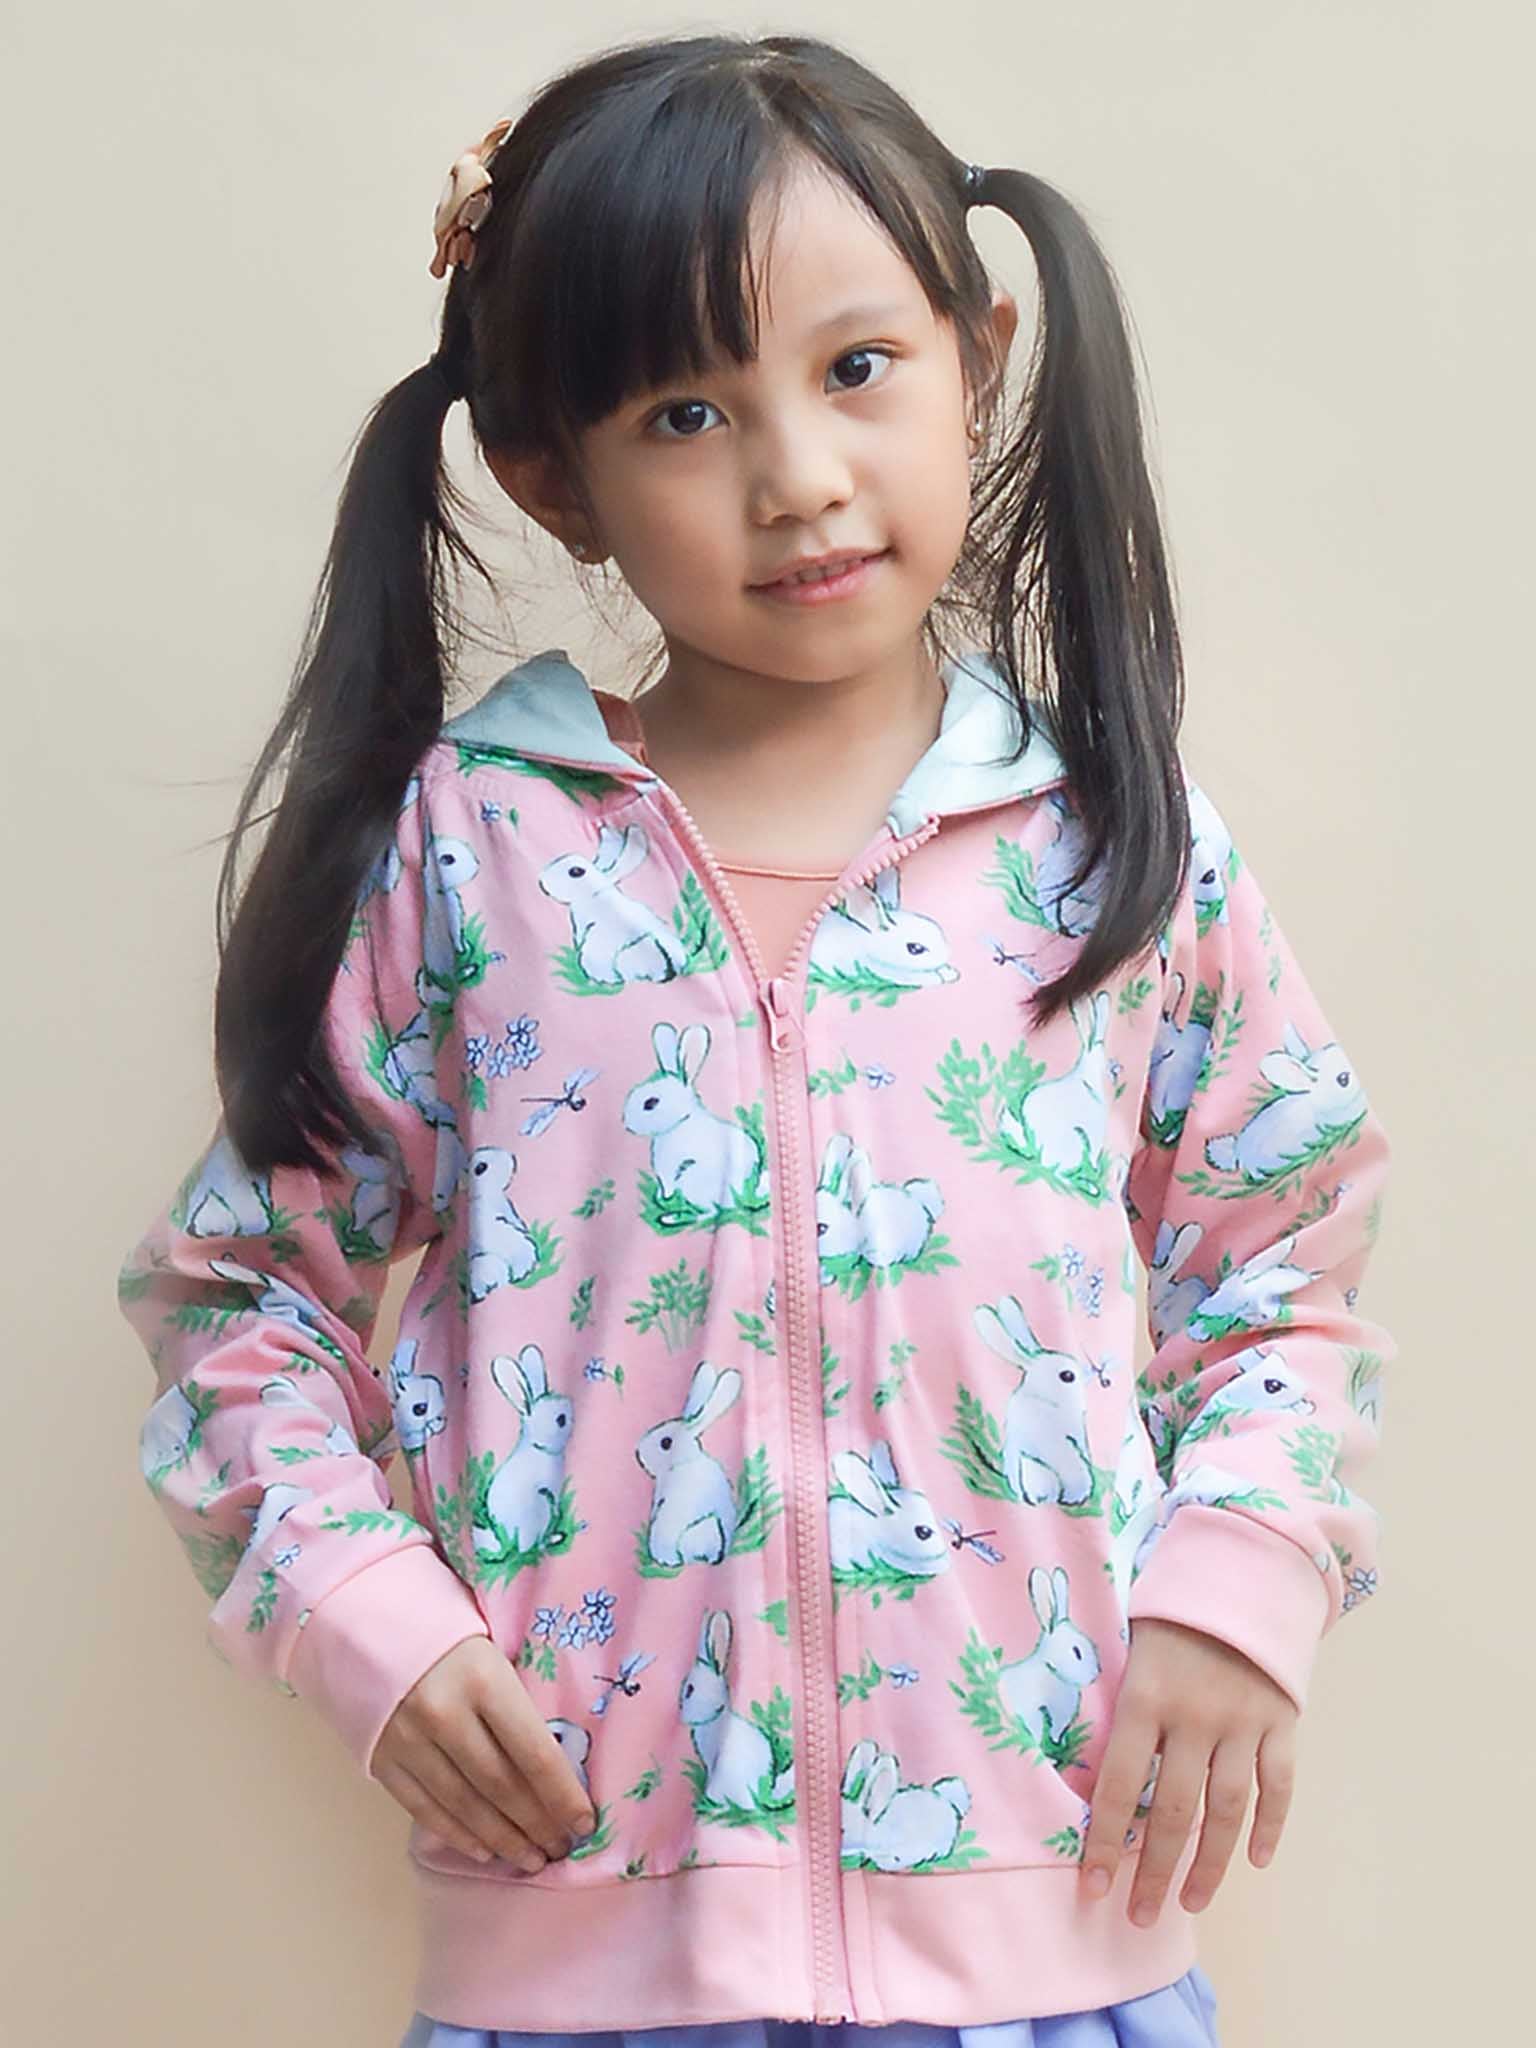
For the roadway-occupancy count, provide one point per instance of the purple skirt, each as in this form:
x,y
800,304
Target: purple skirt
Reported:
x,y
1180,2015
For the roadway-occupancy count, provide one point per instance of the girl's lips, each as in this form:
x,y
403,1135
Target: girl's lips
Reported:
x,y
847,582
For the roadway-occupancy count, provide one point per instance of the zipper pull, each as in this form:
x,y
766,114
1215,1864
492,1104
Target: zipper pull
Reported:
x,y
781,1028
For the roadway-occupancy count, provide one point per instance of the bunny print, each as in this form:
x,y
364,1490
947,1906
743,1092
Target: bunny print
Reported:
x,y
694,1512
699,1160
1318,1103
1045,1437
742,1776
1061,1123
523,1498
867,1226
866,944
616,939
891,1826
883,1534
1044,1689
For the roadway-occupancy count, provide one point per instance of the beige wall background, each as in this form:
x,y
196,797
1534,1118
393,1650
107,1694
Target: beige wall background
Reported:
x,y
219,231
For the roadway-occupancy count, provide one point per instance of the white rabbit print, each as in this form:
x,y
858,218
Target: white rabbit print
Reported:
x,y
504,1250
742,1772
1265,1385
448,959
1044,1690
171,1432
865,1226
705,1169
1252,1296
1036,887
576,1743
865,944
1317,1103
1044,1456
1208,1486
1172,1300
885,1537
1213,859
407,1069
1059,1127
614,939
275,1298
699,1514
416,1398
891,1826
525,1512
223,1198
1177,1059
336,1441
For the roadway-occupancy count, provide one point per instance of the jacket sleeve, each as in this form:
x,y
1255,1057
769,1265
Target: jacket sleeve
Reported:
x,y
255,1295
1254,1195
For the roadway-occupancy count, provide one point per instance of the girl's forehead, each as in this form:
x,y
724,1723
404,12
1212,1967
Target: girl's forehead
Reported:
x,y
819,260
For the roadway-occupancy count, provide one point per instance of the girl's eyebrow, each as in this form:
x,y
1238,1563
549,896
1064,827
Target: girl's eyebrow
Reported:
x,y
871,314
865,315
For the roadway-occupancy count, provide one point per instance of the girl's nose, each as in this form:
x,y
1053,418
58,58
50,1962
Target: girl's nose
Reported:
x,y
798,473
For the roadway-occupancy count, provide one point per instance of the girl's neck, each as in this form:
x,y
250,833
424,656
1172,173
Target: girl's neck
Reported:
x,y
722,714
794,773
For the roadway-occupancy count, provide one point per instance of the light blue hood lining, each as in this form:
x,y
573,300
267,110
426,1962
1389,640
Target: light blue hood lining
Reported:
x,y
545,708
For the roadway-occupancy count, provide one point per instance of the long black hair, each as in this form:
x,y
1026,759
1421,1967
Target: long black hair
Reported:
x,y
611,261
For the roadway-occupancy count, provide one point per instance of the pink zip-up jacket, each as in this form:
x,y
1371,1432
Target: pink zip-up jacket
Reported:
x,y
766,1389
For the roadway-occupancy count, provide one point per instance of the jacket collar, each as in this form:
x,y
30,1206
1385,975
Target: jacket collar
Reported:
x,y
545,708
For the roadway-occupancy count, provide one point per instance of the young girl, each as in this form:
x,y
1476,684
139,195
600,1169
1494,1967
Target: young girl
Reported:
x,y
784,1069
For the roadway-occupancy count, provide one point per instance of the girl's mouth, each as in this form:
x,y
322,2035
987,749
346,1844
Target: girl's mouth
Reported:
x,y
847,581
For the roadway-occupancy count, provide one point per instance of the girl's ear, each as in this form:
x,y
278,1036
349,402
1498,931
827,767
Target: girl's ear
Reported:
x,y
1004,325
534,483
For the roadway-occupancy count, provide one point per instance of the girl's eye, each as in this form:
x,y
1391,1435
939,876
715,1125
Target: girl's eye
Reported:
x,y
697,405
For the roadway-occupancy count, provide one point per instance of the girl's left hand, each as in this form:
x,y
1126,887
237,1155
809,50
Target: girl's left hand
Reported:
x,y
1206,1707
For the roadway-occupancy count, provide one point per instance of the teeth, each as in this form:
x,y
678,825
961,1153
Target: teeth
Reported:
x,y
828,569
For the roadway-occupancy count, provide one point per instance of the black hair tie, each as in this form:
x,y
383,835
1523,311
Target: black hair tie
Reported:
x,y
975,178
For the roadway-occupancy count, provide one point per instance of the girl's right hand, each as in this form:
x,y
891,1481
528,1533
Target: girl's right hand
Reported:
x,y
467,1754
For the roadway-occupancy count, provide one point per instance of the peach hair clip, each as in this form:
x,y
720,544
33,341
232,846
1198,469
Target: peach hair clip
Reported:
x,y
465,201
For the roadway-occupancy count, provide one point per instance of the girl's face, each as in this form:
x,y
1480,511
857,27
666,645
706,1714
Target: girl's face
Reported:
x,y
849,431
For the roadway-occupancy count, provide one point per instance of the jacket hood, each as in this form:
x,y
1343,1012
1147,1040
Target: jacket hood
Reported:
x,y
545,708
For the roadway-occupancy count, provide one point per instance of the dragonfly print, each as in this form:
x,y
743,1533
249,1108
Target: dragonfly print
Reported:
x,y
550,1106
625,1680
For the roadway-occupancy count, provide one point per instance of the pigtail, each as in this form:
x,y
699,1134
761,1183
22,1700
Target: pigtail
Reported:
x,y
366,699
1067,522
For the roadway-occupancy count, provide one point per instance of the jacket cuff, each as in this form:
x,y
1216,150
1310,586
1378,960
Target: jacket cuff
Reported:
x,y
368,1642
1220,1571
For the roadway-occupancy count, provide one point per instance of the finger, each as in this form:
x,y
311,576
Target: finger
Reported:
x,y
1277,1781
1122,1773
422,1807
440,1770
556,1805
500,1776
1226,1801
1180,1783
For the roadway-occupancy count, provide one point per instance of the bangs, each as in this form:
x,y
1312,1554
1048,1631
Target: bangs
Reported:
x,y
657,287
638,250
